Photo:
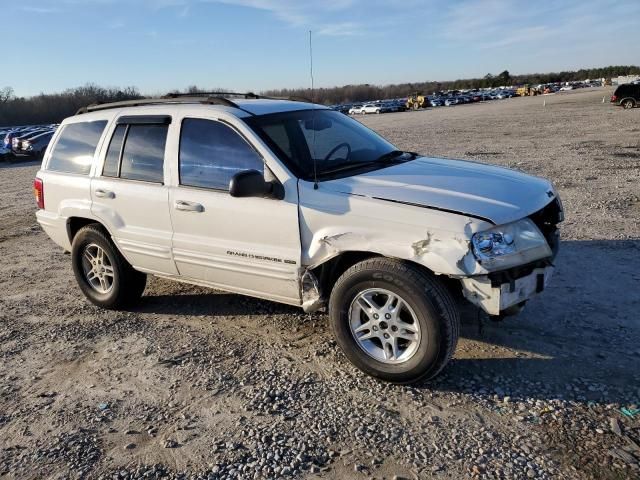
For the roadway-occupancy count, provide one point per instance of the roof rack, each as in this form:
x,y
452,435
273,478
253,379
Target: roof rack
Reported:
x,y
207,98
157,101
248,95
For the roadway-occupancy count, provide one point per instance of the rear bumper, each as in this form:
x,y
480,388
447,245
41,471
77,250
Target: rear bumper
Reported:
x,y
493,299
54,226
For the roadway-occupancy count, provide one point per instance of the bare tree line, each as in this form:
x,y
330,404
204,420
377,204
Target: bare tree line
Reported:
x,y
360,93
53,108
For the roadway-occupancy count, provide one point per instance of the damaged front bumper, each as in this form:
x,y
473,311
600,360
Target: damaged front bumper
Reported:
x,y
496,293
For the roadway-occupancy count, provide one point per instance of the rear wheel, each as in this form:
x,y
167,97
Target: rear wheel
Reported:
x,y
628,103
416,105
102,273
393,320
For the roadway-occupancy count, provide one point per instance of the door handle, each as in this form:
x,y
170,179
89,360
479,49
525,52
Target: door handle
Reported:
x,y
104,193
188,206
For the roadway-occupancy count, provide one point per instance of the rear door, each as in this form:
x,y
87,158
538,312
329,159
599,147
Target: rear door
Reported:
x,y
129,193
246,245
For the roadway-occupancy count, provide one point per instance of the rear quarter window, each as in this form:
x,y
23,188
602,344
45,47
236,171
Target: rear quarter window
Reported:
x,y
76,146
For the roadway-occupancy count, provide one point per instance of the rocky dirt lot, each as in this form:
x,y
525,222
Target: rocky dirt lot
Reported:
x,y
195,383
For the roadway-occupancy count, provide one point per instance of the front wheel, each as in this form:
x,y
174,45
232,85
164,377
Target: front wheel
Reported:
x,y
102,273
394,320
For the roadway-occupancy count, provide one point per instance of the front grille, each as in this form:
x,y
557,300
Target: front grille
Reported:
x,y
547,219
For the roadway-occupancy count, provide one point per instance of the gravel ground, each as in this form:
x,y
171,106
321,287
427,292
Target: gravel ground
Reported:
x,y
195,383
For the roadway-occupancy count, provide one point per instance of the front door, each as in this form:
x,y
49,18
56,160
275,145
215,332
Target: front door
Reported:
x,y
245,245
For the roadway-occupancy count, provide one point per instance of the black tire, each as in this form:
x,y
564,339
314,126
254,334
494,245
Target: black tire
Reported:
x,y
628,104
128,283
430,300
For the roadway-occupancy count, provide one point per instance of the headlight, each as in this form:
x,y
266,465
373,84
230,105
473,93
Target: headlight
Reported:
x,y
505,246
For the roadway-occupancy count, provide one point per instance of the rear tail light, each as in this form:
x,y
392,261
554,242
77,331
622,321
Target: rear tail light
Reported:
x,y
614,98
38,191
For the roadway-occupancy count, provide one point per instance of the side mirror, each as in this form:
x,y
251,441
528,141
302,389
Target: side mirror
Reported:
x,y
251,183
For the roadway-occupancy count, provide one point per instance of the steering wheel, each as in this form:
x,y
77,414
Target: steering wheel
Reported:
x,y
338,147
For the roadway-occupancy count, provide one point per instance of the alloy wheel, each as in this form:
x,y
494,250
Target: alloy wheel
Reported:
x,y
384,326
97,268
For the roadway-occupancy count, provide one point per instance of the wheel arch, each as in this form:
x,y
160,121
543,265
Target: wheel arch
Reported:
x,y
329,271
74,224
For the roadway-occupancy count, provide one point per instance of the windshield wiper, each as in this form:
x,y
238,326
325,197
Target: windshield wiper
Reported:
x,y
388,158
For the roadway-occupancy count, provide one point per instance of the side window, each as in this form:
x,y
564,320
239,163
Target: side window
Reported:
x,y
76,145
212,152
143,153
136,152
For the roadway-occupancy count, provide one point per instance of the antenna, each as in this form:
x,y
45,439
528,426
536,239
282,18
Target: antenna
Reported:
x,y
313,115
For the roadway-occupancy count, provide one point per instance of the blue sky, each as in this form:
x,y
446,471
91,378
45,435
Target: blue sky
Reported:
x,y
252,45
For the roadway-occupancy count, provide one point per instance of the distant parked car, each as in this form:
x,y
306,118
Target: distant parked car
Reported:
x,y
373,108
436,102
566,88
396,106
504,94
11,134
35,146
627,95
356,109
341,108
450,101
16,141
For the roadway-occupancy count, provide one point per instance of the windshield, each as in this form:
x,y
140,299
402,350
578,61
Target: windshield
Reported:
x,y
339,145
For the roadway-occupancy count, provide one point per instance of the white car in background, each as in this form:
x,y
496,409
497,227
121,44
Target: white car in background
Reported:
x,y
355,110
298,204
504,94
372,108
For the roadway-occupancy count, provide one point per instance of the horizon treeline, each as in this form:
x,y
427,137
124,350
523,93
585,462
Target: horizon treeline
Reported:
x,y
54,107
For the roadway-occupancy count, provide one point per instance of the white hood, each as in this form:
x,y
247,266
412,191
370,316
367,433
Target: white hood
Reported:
x,y
494,193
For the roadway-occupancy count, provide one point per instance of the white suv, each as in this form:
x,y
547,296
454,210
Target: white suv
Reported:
x,y
298,204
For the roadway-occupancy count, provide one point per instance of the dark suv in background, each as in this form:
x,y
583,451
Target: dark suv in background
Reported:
x,y
627,95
